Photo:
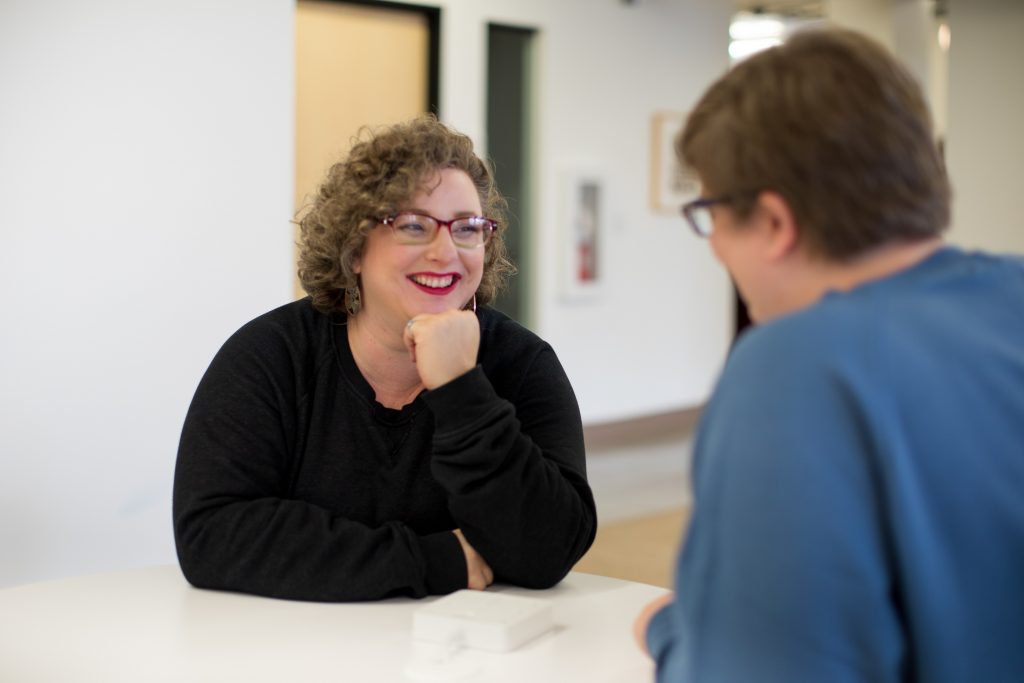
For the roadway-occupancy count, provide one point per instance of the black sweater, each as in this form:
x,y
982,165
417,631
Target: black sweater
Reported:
x,y
293,482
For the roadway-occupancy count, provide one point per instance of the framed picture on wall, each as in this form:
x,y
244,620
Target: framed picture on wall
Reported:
x,y
671,185
583,235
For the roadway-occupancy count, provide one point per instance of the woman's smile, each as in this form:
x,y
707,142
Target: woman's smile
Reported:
x,y
437,284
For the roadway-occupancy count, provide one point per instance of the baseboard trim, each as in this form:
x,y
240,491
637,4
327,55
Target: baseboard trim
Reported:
x,y
656,427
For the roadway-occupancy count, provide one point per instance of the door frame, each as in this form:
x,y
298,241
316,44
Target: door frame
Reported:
x,y
433,18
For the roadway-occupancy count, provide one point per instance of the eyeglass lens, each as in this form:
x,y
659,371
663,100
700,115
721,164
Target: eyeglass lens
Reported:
x,y
469,232
700,218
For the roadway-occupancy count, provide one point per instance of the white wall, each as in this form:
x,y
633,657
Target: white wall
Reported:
x,y
873,17
654,339
145,193
985,140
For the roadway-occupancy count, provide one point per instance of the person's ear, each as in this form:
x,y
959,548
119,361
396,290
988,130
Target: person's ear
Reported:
x,y
781,231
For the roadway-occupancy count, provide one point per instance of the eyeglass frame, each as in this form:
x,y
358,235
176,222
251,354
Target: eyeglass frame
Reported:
x,y
489,223
690,208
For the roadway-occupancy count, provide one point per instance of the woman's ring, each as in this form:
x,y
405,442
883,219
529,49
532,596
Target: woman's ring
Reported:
x,y
408,325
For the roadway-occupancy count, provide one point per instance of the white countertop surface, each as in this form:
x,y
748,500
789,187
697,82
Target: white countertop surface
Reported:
x,y
150,625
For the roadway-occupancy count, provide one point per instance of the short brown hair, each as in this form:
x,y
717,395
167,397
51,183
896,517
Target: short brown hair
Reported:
x,y
834,124
383,169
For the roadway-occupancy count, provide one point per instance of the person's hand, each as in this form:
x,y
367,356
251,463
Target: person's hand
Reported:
x,y
443,345
477,569
644,618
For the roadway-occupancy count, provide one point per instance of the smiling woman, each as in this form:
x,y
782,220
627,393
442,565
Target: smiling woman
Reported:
x,y
412,266
381,176
390,434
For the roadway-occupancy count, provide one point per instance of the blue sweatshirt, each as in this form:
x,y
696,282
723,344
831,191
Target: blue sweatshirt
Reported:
x,y
859,488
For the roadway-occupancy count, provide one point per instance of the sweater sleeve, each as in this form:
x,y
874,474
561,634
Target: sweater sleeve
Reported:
x,y
236,526
515,472
661,632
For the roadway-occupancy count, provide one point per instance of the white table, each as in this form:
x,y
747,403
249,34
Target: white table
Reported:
x,y
150,625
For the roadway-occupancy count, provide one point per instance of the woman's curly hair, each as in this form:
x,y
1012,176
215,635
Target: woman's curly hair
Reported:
x,y
383,170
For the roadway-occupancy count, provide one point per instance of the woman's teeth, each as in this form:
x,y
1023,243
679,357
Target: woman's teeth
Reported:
x,y
433,282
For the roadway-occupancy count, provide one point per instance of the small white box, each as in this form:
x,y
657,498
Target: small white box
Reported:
x,y
482,620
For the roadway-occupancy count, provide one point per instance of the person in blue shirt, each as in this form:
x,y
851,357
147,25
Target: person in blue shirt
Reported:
x,y
859,469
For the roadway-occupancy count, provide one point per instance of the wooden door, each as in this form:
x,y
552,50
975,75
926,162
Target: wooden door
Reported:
x,y
356,64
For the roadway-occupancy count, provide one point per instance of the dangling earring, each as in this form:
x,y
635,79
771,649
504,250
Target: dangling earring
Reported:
x,y
353,300
472,305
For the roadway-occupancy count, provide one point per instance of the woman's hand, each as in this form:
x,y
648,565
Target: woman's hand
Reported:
x,y
443,345
477,569
644,618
